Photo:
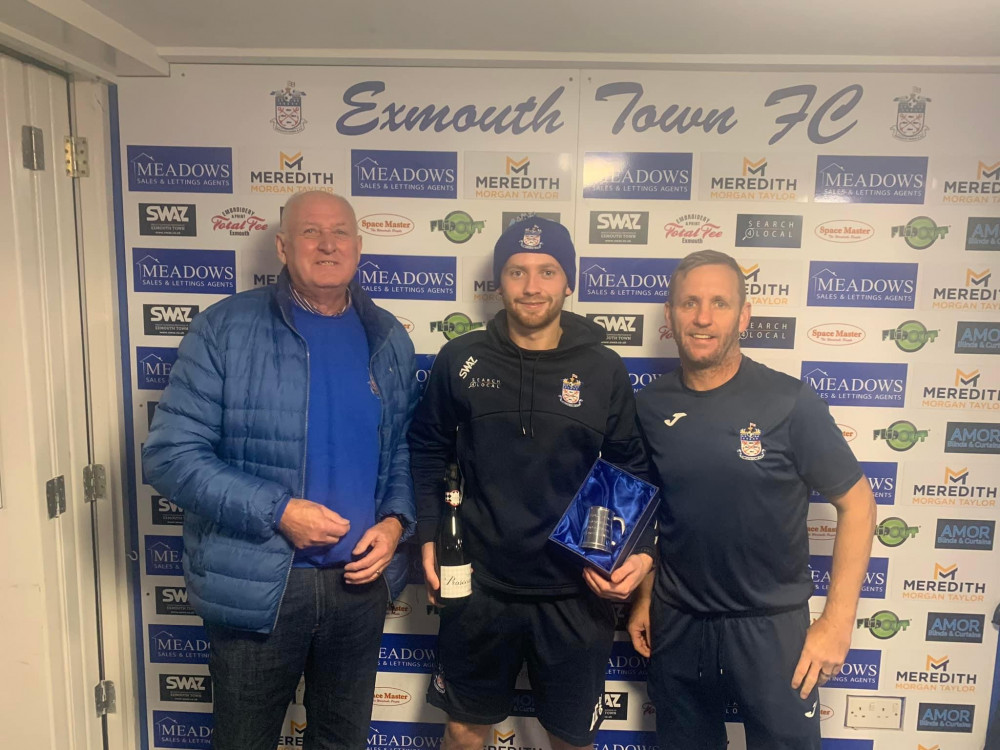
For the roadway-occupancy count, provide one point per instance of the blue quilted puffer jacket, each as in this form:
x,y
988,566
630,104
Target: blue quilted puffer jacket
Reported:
x,y
228,443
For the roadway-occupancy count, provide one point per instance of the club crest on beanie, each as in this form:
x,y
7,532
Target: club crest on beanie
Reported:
x,y
536,235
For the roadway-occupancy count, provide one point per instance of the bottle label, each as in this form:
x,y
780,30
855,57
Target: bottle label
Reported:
x,y
456,581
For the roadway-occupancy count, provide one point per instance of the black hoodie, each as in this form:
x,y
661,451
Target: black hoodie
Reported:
x,y
525,426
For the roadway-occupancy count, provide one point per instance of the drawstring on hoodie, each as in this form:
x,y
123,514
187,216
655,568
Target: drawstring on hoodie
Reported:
x,y
528,431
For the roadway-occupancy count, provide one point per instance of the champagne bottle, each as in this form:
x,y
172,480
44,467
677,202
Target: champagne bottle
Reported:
x,y
454,570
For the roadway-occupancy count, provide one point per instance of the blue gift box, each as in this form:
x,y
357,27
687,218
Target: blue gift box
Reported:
x,y
627,496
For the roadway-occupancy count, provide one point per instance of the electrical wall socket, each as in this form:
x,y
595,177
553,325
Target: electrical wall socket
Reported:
x,y
874,712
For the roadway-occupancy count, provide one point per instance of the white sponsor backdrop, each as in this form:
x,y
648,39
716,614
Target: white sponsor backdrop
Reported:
x,y
863,209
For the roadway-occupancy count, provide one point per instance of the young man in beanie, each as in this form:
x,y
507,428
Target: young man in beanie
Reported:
x,y
525,408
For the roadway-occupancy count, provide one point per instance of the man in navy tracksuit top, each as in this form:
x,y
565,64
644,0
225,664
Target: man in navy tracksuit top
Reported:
x,y
282,435
736,447
525,407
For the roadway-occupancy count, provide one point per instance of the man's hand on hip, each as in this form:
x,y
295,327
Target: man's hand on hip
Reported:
x,y
308,524
377,545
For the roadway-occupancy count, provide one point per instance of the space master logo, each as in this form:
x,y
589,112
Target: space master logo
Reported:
x,y
180,169
182,729
625,279
871,179
848,284
857,383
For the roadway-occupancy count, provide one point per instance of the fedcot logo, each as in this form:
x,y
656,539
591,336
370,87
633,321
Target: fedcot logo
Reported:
x,y
180,169
619,227
408,277
163,555
768,230
290,177
910,336
954,533
882,478
168,219
844,231
195,271
873,587
955,486
839,284
901,435
984,189
836,334
871,179
185,688
167,320
955,627
408,653
621,329
153,365
165,513
892,532
404,174
385,225
692,229
976,337
625,664
454,325
857,383
639,175
944,586
762,289
945,717
920,232
182,729
644,370
495,175
860,671
173,600
976,295
769,333
625,279
972,437
178,644
883,624
982,233
404,735
458,227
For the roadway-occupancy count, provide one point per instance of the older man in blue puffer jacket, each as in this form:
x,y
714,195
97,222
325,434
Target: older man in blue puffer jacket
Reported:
x,y
282,434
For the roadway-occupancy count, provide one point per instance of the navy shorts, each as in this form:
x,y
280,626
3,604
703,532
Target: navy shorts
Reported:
x,y
566,641
701,667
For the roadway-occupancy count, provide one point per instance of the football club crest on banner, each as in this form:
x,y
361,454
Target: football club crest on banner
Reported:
x,y
750,448
532,238
910,114
288,110
570,395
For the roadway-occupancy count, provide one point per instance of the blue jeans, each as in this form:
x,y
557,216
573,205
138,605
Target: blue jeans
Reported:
x,y
327,629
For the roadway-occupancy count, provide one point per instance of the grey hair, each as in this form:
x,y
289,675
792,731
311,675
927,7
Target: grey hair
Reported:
x,y
708,258
298,197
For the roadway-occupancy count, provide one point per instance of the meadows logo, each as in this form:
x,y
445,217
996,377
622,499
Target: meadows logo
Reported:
x,y
836,334
901,435
769,333
185,688
404,174
955,486
972,437
920,232
768,230
964,393
626,664
860,670
625,279
173,600
182,729
638,175
458,226
871,179
495,175
954,533
910,336
404,735
937,675
178,644
977,295
843,231
985,188
163,555
944,586
454,325
983,233
857,383
644,370
955,627
838,284
385,225
608,739
168,219
619,330
727,177
692,229
239,221
423,362
408,277
180,169
882,478
290,177
153,365
763,289
945,717
408,653
892,532
165,513
883,624
820,567
976,337
619,227
195,271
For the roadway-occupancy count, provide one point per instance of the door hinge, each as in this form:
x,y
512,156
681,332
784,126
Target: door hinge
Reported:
x,y
104,697
55,496
77,156
95,483
32,148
